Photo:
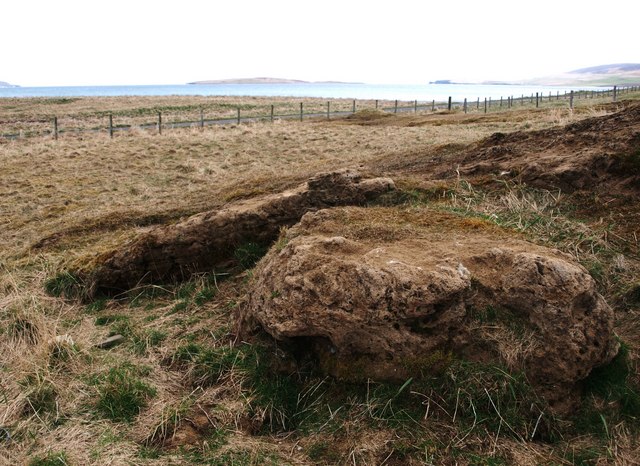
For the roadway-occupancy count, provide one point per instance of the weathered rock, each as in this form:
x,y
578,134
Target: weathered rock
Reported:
x,y
208,239
381,293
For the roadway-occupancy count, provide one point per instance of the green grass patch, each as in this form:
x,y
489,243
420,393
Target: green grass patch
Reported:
x,y
143,341
98,305
40,395
612,383
110,319
57,458
248,254
121,392
65,285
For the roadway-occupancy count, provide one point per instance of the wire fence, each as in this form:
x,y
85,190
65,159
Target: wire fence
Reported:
x,y
313,109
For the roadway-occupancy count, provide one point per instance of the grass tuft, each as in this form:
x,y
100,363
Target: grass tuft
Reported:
x,y
65,285
121,393
58,458
248,254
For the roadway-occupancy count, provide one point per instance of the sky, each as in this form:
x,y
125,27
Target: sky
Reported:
x,y
128,42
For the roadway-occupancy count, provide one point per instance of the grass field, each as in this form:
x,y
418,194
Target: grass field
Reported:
x,y
177,391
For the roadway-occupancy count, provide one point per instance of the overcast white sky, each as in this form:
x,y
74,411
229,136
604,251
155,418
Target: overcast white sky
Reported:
x,y
86,42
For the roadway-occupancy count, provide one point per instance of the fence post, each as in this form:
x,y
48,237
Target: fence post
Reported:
x,y
485,105
500,101
55,127
465,105
238,117
354,106
571,100
376,104
449,106
415,106
537,101
328,110
271,113
489,102
201,118
159,122
433,105
111,125
300,111
395,109
615,93
478,104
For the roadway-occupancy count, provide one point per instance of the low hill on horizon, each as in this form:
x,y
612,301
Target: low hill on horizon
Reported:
x,y
621,74
6,84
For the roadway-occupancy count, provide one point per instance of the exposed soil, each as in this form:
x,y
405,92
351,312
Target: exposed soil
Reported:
x,y
599,154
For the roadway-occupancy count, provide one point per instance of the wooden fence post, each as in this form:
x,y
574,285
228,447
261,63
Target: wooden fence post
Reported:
x,y
449,106
111,125
615,93
395,109
271,113
433,105
376,104
300,111
500,101
571,100
159,122
354,106
465,105
485,105
201,118
489,102
55,128
478,104
537,101
328,110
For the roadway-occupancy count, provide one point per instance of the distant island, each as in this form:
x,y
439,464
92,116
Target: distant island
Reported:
x,y
266,81
6,84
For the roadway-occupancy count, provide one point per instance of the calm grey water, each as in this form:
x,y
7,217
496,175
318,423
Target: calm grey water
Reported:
x,y
423,92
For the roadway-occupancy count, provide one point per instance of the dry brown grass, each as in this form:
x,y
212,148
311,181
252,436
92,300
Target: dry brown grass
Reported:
x,y
61,200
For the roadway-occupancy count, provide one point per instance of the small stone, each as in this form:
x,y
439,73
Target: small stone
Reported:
x,y
110,342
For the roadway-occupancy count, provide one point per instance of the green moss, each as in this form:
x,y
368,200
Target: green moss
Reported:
x,y
428,365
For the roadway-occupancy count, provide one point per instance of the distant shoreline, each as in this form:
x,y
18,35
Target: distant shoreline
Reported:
x,y
266,81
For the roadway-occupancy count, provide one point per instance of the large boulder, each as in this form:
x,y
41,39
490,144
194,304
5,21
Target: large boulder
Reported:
x,y
208,240
385,294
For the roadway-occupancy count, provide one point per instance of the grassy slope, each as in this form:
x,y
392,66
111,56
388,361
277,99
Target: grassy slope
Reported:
x,y
176,391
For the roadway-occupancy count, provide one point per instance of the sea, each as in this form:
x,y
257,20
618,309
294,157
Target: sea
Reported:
x,y
403,92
